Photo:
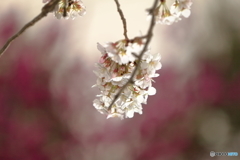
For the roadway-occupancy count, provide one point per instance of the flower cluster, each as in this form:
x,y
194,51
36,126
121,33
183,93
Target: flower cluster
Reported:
x,y
114,70
73,9
179,8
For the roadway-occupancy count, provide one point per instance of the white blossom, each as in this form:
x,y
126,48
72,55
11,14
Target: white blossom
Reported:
x,y
115,114
181,8
74,8
122,52
99,106
114,70
167,16
163,14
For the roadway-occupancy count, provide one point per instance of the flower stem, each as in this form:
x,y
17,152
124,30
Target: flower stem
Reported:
x,y
123,20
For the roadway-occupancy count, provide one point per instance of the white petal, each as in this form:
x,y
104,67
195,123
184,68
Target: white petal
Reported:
x,y
115,115
158,66
100,48
129,113
151,91
186,13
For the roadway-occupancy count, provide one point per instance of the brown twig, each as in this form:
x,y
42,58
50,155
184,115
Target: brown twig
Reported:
x,y
123,19
49,7
148,39
65,8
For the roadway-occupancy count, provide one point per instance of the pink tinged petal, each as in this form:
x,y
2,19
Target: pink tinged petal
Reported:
x,y
101,60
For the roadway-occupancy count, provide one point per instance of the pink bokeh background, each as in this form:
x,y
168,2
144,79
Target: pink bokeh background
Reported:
x,y
46,110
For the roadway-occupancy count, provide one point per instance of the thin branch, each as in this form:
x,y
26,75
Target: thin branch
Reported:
x,y
123,20
49,7
65,8
148,37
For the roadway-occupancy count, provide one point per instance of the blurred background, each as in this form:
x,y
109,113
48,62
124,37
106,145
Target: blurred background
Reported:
x,y
46,75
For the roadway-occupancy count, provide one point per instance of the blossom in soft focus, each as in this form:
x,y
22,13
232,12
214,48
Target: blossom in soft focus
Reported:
x,y
74,8
121,53
45,96
167,16
114,70
163,14
181,7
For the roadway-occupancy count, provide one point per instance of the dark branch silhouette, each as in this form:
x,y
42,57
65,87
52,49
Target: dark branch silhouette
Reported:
x,y
148,39
123,20
49,7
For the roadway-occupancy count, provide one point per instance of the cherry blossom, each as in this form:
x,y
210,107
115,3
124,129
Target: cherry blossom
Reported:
x,y
181,8
167,16
74,8
114,70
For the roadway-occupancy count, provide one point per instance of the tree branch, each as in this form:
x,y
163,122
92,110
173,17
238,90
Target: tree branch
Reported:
x,y
148,37
123,20
49,7
65,8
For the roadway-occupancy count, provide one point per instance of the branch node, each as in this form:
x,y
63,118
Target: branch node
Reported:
x,y
123,20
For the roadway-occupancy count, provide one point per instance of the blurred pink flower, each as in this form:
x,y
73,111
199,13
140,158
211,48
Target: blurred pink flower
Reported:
x,y
29,127
211,84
